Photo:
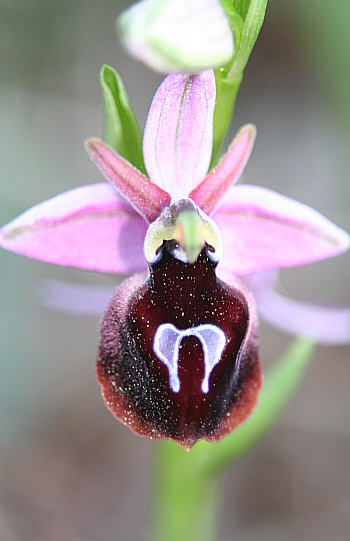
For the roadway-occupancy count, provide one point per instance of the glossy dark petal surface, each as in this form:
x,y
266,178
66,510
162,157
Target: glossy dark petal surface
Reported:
x,y
136,383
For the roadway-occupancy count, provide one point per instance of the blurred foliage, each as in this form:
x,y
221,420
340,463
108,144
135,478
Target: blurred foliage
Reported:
x,y
322,36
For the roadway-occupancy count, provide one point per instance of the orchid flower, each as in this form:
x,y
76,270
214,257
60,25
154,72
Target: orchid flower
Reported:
x,y
178,356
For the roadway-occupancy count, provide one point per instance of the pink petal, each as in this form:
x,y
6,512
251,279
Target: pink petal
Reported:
x,y
146,198
208,194
324,324
178,137
90,228
262,229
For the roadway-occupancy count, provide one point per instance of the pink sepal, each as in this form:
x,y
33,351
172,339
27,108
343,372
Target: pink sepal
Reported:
x,y
177,142
265,230
329,325
90,228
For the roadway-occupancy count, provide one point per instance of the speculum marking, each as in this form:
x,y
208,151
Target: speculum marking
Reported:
x,y
167,342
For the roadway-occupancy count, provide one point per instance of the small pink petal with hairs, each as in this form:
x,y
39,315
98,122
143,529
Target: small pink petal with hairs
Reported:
x,y
142,194
209,193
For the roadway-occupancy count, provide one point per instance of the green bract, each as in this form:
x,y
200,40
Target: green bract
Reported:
x,y
121,129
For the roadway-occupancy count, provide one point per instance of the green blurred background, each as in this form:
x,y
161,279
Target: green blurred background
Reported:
x,y
68,471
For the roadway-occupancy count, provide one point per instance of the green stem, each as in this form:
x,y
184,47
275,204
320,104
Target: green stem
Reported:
x,y
187,486
226,94
186,500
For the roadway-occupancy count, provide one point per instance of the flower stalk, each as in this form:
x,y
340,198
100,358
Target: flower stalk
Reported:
x,y
245,18
188,488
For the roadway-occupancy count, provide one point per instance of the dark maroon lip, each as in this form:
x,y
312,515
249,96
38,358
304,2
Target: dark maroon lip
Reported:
x,y
190,302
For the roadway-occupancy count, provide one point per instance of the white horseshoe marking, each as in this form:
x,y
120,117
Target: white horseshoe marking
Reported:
x,y
167,342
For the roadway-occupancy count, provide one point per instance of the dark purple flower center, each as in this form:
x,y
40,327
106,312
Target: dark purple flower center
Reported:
x,y
177,357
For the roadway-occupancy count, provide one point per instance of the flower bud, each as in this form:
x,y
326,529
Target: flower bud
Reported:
x,y
177,35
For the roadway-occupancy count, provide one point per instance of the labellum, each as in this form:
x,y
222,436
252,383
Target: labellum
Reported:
x,y
178,355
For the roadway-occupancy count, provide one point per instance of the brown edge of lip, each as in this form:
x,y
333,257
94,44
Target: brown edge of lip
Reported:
x,y
241,409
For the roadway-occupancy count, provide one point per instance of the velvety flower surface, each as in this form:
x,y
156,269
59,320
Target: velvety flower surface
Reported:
x,y
178,355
